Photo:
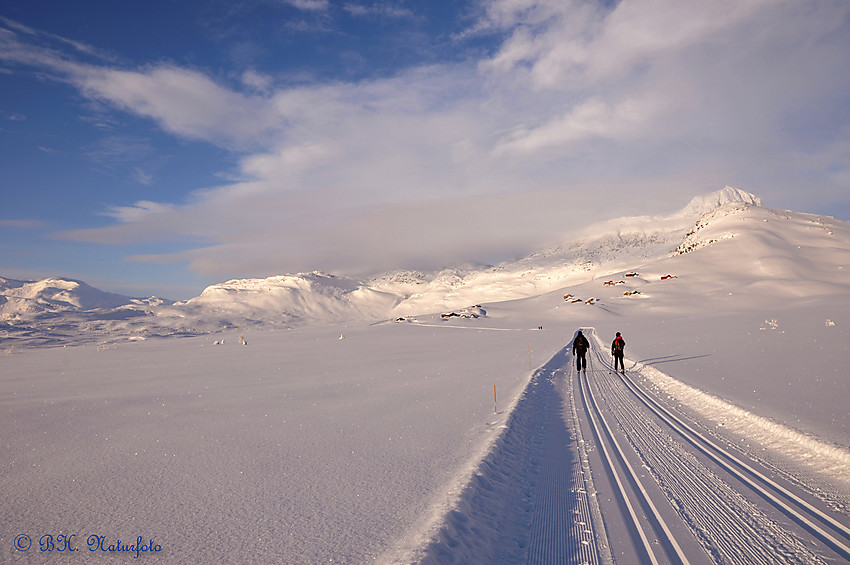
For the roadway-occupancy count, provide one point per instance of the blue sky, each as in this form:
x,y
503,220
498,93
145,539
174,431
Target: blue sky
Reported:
x,y
154,148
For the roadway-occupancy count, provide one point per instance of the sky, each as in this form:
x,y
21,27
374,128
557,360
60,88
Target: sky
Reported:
x,y
157,147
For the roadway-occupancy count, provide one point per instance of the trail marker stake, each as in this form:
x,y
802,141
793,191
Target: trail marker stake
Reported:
x,y
495,404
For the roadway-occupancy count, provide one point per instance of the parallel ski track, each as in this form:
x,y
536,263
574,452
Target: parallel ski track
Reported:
x,y
730,528
830,531
618,467
565,519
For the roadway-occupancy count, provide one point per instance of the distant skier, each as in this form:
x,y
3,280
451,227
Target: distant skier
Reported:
x,y
617,347
580,347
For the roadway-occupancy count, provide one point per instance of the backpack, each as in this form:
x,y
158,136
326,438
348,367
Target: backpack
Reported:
x,y
619,344
580,344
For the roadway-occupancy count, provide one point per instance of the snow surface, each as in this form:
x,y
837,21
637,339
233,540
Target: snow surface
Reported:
x,y
357,439
53,294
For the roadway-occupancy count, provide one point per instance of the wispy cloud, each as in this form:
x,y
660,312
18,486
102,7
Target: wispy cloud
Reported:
x,y
182,101
309,5
78,46
141,176
379,9
117,150
256,81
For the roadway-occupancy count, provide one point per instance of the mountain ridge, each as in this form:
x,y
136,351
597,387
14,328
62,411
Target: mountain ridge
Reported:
x,y
283,301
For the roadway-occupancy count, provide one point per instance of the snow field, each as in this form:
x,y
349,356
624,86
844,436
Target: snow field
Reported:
x,y
521,499
299,448
377,442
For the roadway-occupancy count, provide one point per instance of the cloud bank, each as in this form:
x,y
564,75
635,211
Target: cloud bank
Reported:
x,y
578,112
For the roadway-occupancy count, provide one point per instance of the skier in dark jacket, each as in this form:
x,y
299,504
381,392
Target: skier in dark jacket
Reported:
x,y
617,347
580,347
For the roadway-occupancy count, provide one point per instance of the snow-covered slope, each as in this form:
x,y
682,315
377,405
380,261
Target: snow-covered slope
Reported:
x,y
595,251
728,195
53,295
58,311
790,252
307,297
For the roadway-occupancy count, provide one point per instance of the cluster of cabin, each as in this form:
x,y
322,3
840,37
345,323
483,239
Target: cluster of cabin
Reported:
x,y
472,312
575,300
572,299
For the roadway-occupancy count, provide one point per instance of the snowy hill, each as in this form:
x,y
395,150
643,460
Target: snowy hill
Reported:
x,y
600,249
306,297
771,239
53,295
56,311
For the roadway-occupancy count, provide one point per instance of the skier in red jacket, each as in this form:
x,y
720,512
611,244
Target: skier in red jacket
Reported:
x,y
617,347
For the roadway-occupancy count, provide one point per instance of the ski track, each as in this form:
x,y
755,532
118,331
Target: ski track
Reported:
x,y
562,527
533,499
530,499
729,527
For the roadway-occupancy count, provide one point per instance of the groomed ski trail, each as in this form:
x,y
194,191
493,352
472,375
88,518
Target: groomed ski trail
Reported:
x,y
531,499
591,469
566,521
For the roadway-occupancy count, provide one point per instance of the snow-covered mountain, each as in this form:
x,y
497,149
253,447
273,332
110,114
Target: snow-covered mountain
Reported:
x,y
788,252
600,249
288,299
53,295
56,311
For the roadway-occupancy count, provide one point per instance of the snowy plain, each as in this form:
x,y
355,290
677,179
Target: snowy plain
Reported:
x,y
353,429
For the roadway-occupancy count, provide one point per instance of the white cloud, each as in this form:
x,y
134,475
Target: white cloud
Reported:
x,y
588,120
455,161
141,211
574,43
309,5
182,101
383,10
256,81
287,162
79,46
141,176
